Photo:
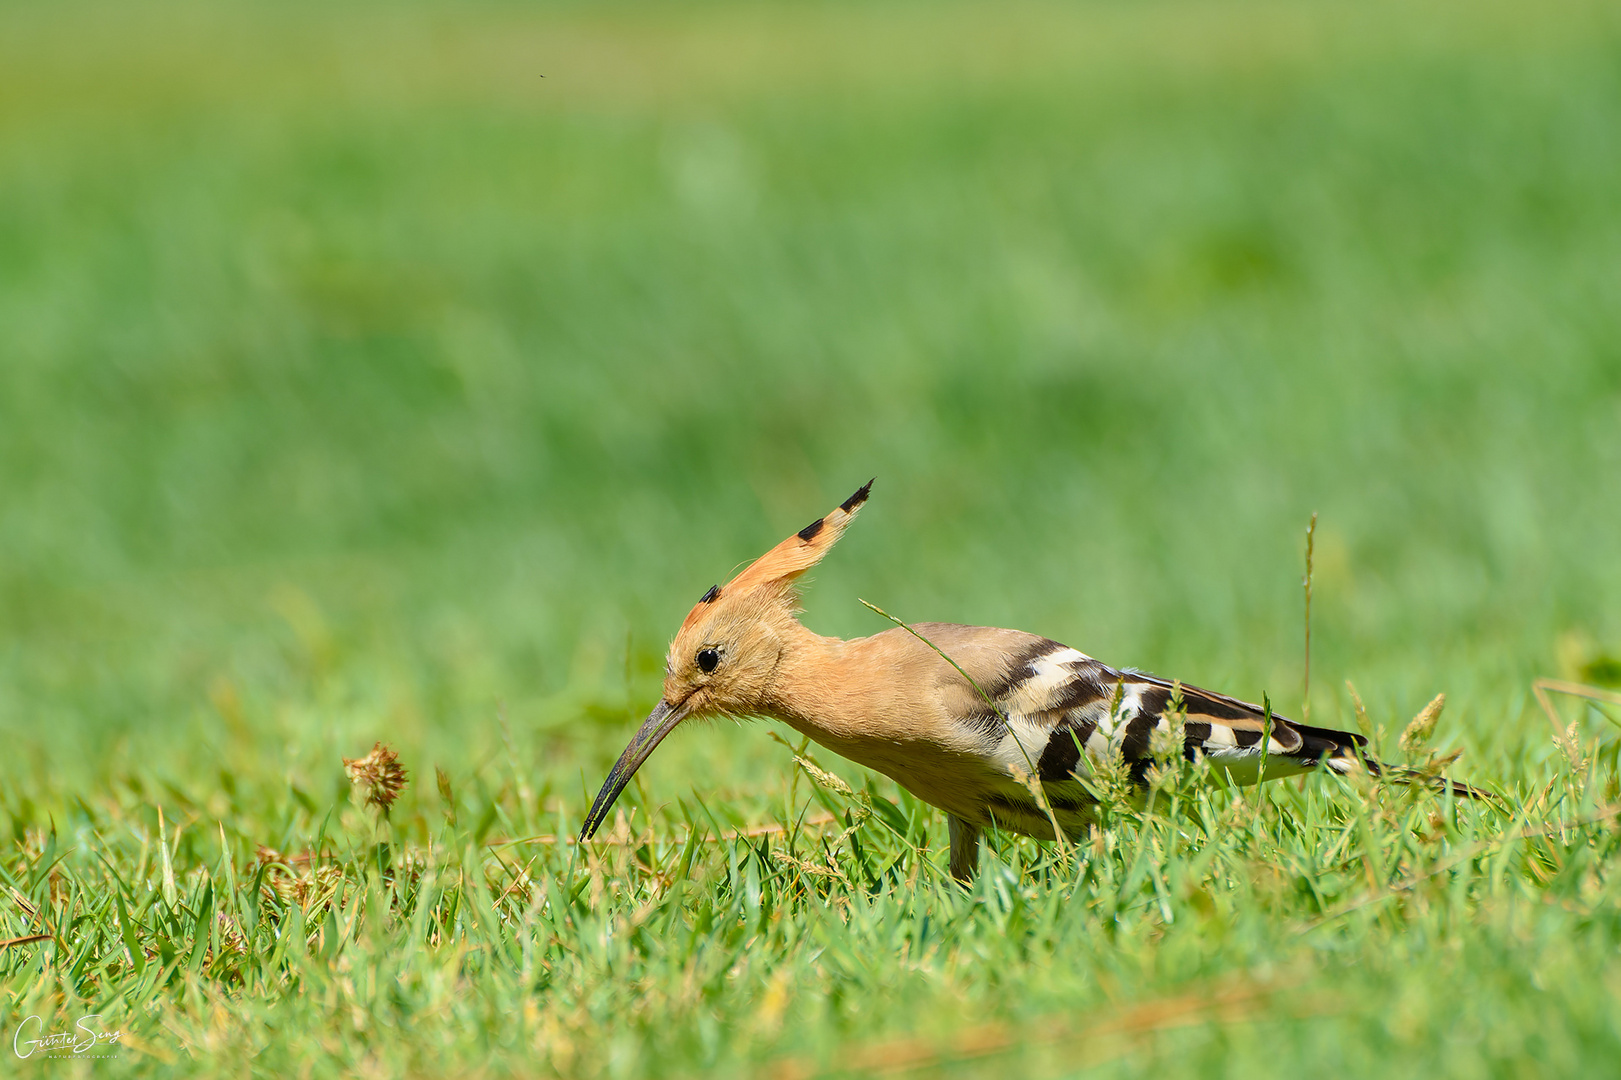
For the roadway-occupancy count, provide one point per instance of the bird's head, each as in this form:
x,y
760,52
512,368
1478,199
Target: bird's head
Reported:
x,y
724,659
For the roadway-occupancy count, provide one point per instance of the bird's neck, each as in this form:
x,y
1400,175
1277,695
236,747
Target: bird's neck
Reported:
x,y
825,689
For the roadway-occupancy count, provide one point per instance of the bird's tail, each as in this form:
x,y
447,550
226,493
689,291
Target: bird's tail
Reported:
x,y
1347,764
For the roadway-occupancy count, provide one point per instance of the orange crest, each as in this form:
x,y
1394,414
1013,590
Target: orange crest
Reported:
x,y
779,567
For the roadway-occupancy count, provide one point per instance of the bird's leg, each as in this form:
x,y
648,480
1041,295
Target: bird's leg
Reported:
x,y
964,848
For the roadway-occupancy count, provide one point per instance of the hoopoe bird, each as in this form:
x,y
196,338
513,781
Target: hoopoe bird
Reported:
x,y
960,716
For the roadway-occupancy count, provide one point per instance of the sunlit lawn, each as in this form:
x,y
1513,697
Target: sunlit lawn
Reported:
x,y
404,372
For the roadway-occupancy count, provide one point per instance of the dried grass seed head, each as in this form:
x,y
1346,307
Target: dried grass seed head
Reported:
x,y
379,775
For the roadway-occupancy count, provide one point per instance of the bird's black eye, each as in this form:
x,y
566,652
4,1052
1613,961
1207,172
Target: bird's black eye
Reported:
x,y
708,660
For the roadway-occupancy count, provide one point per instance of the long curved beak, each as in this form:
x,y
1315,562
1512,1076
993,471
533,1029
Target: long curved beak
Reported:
x,y
659,723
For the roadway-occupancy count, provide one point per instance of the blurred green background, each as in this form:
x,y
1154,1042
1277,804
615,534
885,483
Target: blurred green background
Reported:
x,y
370,369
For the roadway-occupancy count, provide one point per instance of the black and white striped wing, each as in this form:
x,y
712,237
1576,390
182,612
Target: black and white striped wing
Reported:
x,y
1060,702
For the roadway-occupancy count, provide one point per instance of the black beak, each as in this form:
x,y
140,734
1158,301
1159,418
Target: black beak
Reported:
x,y
659,723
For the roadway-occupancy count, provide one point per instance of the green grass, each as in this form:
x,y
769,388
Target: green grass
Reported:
x,y
359,383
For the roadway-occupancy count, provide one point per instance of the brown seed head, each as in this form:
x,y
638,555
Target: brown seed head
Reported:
x,y
1417,735
379,774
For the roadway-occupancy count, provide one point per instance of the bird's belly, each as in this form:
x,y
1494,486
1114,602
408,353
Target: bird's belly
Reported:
x,y
938,775
967,784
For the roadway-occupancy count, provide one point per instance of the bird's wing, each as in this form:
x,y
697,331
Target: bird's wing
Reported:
x,y
1230,731
1050,705
1051,702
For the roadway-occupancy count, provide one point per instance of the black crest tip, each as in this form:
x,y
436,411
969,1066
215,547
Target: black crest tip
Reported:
x,y
858,498
808,533
709,597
